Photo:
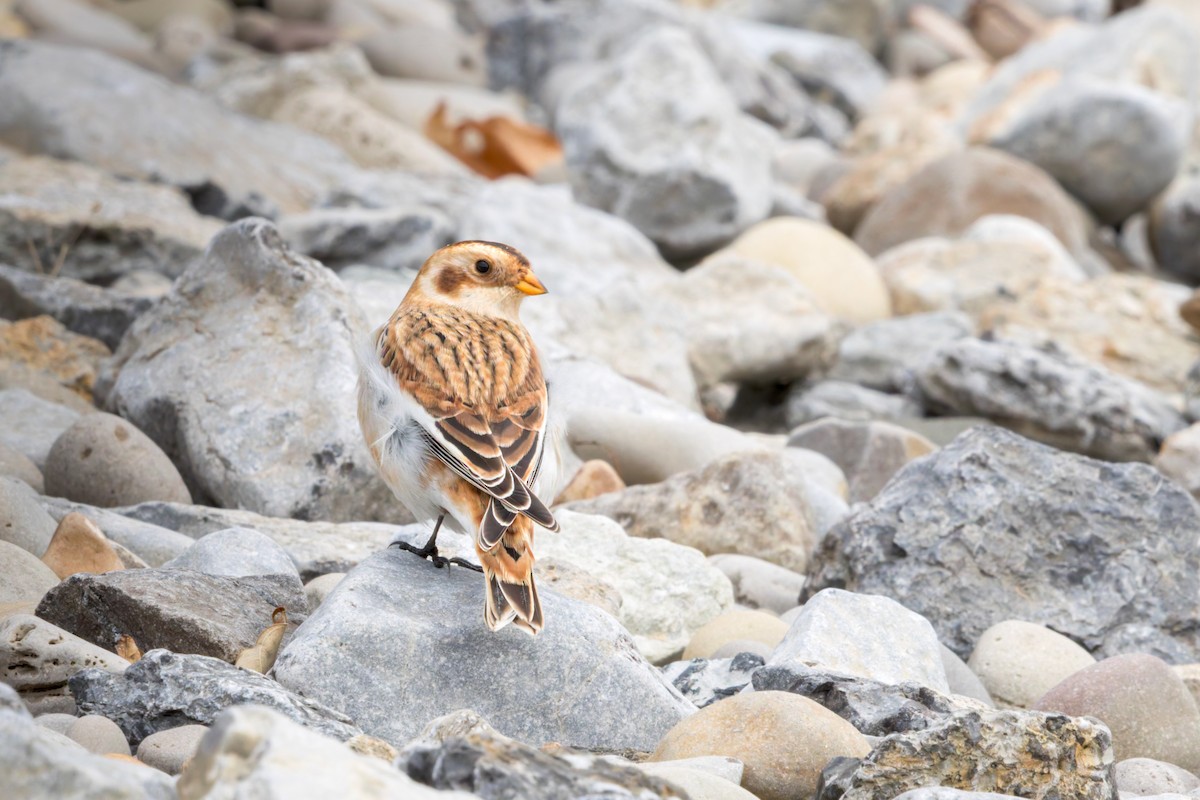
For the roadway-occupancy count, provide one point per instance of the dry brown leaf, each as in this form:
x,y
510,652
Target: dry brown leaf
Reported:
x,y
128,649
496,146
261,657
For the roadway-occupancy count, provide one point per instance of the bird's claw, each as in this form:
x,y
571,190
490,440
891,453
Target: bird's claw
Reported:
x,y
431,553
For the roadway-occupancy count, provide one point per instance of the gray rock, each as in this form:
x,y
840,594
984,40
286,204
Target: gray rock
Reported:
x,y
105,461
1060,757
887,354
1151,38
869,453
103,314
315,547
154,544
389,238
55,722
576,250
1115,147
300,453
35,763
170,749
673,156
845,401
25,578
983,182
754,503
667,591
57,101
1174,240
1143,777
962,680
704,681
22,520
37,658
994,527
462,751
181,610
749,321
865,635
867,22
11,703
165,690
834,68
942,430
1046,394
393,615
758,583
873,707
253,751
235,552
531,47
32,424
14,464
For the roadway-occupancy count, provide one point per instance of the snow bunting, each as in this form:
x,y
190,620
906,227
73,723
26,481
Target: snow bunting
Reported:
x,y
453,405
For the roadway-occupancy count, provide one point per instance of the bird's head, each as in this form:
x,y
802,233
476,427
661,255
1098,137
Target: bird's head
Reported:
x,y
483,277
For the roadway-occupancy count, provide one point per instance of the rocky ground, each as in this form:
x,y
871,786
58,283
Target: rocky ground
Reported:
x,y
870,326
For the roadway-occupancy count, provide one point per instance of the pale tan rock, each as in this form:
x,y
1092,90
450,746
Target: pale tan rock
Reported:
x,y
79,546
43,344
98,735
841,277
745,625
594,478
936,274
783,739
1019,661
23,577
369,137
1129,324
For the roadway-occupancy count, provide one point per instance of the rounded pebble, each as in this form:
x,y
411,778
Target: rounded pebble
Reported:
x,y
98,735
102,460
169,750
737,625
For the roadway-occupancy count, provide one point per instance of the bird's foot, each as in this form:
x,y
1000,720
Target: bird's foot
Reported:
x,y
431,552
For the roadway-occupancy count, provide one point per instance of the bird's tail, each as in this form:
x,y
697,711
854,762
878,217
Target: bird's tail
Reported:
x,y
508,577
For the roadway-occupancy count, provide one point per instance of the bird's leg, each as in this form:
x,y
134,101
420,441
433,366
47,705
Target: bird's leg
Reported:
x,y
429,550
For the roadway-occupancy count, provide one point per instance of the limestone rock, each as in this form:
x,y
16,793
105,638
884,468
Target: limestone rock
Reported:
x,y
866,635
752,503
1039,755
984,530
622,139
667,591
112,227
103,314
392,615
37,763
165,690
184,611
300,453
1050,396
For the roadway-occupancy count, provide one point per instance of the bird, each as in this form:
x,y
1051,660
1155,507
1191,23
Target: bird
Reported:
x,y
454,409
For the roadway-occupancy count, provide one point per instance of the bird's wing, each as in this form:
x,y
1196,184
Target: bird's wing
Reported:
x,y
496,449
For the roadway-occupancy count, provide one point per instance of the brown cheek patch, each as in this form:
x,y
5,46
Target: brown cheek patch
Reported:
x,y
449,281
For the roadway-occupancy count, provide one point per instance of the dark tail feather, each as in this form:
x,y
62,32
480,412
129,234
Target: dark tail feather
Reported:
x,y
515,602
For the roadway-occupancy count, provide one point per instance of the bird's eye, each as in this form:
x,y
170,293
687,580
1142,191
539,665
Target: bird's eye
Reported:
x,y
483,267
